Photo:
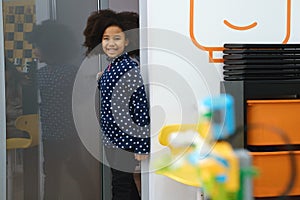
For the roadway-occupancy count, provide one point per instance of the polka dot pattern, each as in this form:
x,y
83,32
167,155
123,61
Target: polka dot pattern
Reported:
x,y
124,113
55,84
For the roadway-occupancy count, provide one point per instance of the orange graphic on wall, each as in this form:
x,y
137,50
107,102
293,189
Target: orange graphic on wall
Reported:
x,y
248,31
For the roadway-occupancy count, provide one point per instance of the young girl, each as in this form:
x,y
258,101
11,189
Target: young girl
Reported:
x,y
124,113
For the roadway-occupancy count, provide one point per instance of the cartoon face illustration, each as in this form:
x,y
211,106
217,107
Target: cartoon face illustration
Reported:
x,y
215,22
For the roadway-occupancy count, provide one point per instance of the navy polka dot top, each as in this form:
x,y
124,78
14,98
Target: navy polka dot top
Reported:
x,y
124,112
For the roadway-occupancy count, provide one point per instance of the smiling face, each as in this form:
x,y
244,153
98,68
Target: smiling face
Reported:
x,y
215,22
114,41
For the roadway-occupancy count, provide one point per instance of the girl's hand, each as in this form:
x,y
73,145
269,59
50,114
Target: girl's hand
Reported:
x,y
98,76
140,157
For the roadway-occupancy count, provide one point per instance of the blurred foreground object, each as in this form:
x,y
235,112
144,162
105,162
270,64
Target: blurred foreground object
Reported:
x,y
201,157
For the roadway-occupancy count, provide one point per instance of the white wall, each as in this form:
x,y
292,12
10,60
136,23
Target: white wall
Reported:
x,y
295,29
180,74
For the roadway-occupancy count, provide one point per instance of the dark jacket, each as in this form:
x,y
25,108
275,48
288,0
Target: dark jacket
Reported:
x,y
124,116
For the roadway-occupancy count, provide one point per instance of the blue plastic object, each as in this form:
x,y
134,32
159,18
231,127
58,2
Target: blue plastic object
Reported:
x,y
221,109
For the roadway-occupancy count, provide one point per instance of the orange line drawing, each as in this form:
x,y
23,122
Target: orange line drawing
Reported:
x,y
240,28
192,36
288,22
210,50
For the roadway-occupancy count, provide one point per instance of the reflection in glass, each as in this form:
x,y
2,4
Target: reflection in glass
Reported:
x,y
21,101
45,157
62,148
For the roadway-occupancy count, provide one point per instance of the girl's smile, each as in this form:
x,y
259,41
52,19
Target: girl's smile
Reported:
x,y
114,41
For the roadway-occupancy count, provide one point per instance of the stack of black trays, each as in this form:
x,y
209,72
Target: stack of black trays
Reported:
x,y
261,62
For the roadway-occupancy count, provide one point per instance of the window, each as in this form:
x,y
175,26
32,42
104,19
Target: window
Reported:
x,y
27,53
28,19
10,19
9,53
10,36
18,44
19,10
19,28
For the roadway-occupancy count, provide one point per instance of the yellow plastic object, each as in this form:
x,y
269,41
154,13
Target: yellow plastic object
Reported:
x,y
213,165
221,161
186,173
30,124
166,131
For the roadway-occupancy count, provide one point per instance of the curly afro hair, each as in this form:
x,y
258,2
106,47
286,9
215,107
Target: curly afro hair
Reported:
x,y
100,20
56,41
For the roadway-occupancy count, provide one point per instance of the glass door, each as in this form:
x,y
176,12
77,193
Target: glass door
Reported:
x,y
50,138
45,155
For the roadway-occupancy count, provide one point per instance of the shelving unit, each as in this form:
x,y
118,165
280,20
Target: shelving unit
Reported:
x,y
264,80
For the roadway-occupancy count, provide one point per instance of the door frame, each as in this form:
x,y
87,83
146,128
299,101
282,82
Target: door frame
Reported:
x,y
2,113
142,9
